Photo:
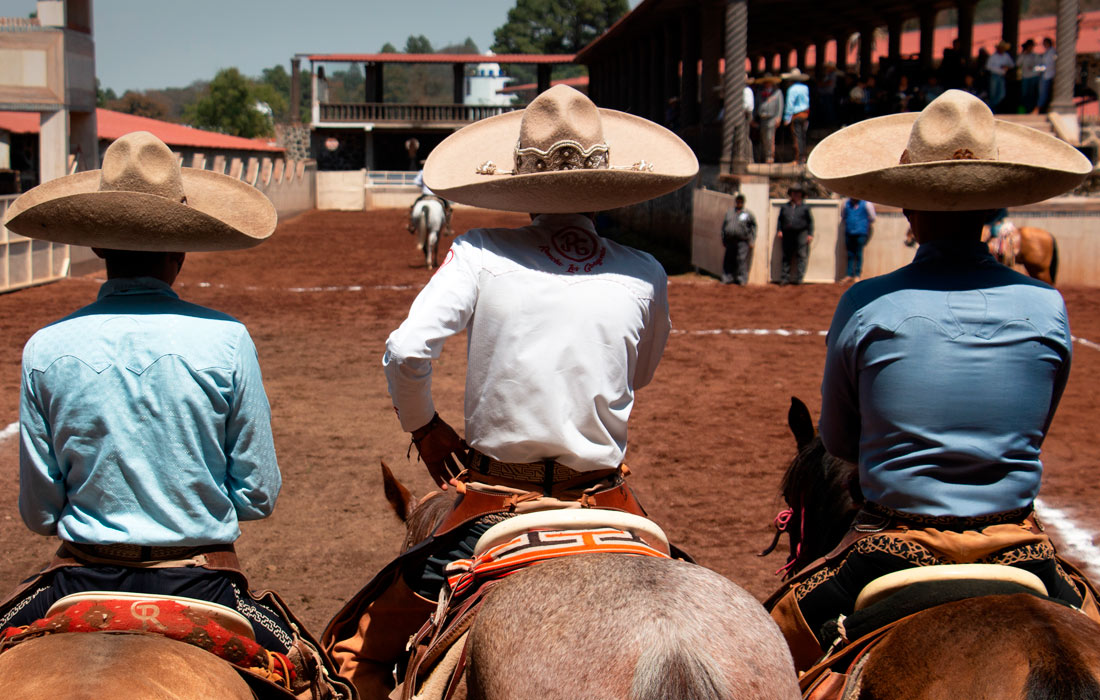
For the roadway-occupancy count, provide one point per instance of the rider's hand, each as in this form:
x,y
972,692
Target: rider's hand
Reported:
x,y
439,446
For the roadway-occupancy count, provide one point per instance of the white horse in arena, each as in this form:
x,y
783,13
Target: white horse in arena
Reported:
x,y
428,218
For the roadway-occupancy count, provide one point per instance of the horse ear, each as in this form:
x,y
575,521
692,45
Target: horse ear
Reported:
x,y
399,497
802,425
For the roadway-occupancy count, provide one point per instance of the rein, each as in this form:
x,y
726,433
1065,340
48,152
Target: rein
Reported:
x,y
781,522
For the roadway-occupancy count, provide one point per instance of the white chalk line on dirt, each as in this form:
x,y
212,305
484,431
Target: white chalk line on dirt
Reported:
x,y
1076,541
8,432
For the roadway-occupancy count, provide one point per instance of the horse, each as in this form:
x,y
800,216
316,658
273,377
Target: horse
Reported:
x,y
427,220
992,647
605,626
1038,252
82,666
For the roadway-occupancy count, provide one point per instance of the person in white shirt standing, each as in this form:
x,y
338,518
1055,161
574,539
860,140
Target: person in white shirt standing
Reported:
x,y
563,327
1030,73
998,66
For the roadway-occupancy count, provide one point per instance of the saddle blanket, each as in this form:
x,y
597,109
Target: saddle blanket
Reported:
x,y
165,617
537,546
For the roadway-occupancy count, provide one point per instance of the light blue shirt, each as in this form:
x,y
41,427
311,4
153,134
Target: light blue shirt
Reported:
x,y
144,420
941,380
798,100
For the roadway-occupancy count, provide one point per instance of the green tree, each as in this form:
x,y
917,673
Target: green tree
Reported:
x,y
555,26
140,104
230,106
102,97
418,44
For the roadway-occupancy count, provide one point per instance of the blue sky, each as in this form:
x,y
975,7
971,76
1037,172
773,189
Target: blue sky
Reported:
x,y
143,44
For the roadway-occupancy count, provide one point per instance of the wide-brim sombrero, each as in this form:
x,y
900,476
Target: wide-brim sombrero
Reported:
x,y
865,161
646,161
220,212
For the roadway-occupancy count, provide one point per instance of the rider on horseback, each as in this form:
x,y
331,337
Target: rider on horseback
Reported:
x,y
426,193
564,326
146,431
917,363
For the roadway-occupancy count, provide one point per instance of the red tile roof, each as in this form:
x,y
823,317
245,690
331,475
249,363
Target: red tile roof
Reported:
x,y
439,58
580,81
111,125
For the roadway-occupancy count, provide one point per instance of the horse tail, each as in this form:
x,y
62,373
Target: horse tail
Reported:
x,y
675,669
1053,259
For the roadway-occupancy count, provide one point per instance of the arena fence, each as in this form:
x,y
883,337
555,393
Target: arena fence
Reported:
x,y
1072,220
25,262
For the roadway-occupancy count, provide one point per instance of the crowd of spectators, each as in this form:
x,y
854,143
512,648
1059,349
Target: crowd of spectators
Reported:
x,y
1020,84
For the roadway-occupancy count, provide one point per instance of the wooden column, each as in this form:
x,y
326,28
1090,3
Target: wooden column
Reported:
x,y
735,133
1010,25
459,91
820,46
712,51
670,66
894,31
543,77
842,51
966,30
1065,67
866,46
689,77
927,35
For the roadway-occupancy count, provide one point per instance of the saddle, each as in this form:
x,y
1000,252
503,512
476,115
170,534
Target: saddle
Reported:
x,y
438,651
894,598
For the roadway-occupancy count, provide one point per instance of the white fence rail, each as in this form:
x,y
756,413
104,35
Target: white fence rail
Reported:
x,y
25,262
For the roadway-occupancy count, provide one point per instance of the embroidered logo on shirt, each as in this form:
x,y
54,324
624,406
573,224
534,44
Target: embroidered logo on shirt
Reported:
x,y
576,245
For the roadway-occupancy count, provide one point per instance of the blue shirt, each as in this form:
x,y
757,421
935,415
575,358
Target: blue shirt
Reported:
x,y
941,380
144,421
857,217
798,100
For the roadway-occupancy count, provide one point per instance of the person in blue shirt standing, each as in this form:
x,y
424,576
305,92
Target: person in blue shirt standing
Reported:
x,y
145,431
858,217
942,378
796,112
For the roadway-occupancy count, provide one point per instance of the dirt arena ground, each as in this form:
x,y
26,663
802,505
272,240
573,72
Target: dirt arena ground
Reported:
x,y
708,438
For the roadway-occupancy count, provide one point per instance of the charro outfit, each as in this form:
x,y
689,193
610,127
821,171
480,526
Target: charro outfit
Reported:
x,y
145,431
796,113
143,421
563,326
738,237
796,223
915,389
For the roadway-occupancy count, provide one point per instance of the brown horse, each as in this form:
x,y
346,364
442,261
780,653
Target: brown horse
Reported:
x,y
605,626
995,647
1038,253
117,666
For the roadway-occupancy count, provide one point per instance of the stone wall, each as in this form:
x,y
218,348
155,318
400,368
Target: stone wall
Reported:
x,y
295,139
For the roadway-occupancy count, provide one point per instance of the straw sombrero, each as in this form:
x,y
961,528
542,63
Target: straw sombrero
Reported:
x,y
952,156
561,154
795,75
142,200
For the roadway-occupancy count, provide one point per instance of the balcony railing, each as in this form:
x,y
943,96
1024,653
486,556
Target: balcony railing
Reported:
x,y
408,113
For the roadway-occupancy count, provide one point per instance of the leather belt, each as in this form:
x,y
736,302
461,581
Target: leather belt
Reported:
x,y
137,553
550,475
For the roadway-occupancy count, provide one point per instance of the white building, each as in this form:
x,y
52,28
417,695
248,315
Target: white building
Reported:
x,y
483,86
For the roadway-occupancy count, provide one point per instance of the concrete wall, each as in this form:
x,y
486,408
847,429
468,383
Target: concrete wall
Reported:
x,y
1074,221
342,189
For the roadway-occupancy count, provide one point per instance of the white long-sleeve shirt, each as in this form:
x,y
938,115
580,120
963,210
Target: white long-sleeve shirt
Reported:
x,y
563,327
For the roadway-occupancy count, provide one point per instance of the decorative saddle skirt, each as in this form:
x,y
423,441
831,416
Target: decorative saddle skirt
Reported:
x,y
435,670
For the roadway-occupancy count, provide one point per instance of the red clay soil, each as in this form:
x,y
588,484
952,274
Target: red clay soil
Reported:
x,y
708,438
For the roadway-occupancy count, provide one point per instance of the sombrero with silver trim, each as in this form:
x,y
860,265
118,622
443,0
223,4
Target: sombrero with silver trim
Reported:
x,y
561,154
952,156
143,200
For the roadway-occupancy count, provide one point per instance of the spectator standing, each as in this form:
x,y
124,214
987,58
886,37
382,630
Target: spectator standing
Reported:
x,y
748,104
1046,77
796,113
738,237
858,217
998,66
795,231
1030,74
769,114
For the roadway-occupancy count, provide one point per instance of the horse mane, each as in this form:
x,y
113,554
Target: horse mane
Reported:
x,y
425,517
